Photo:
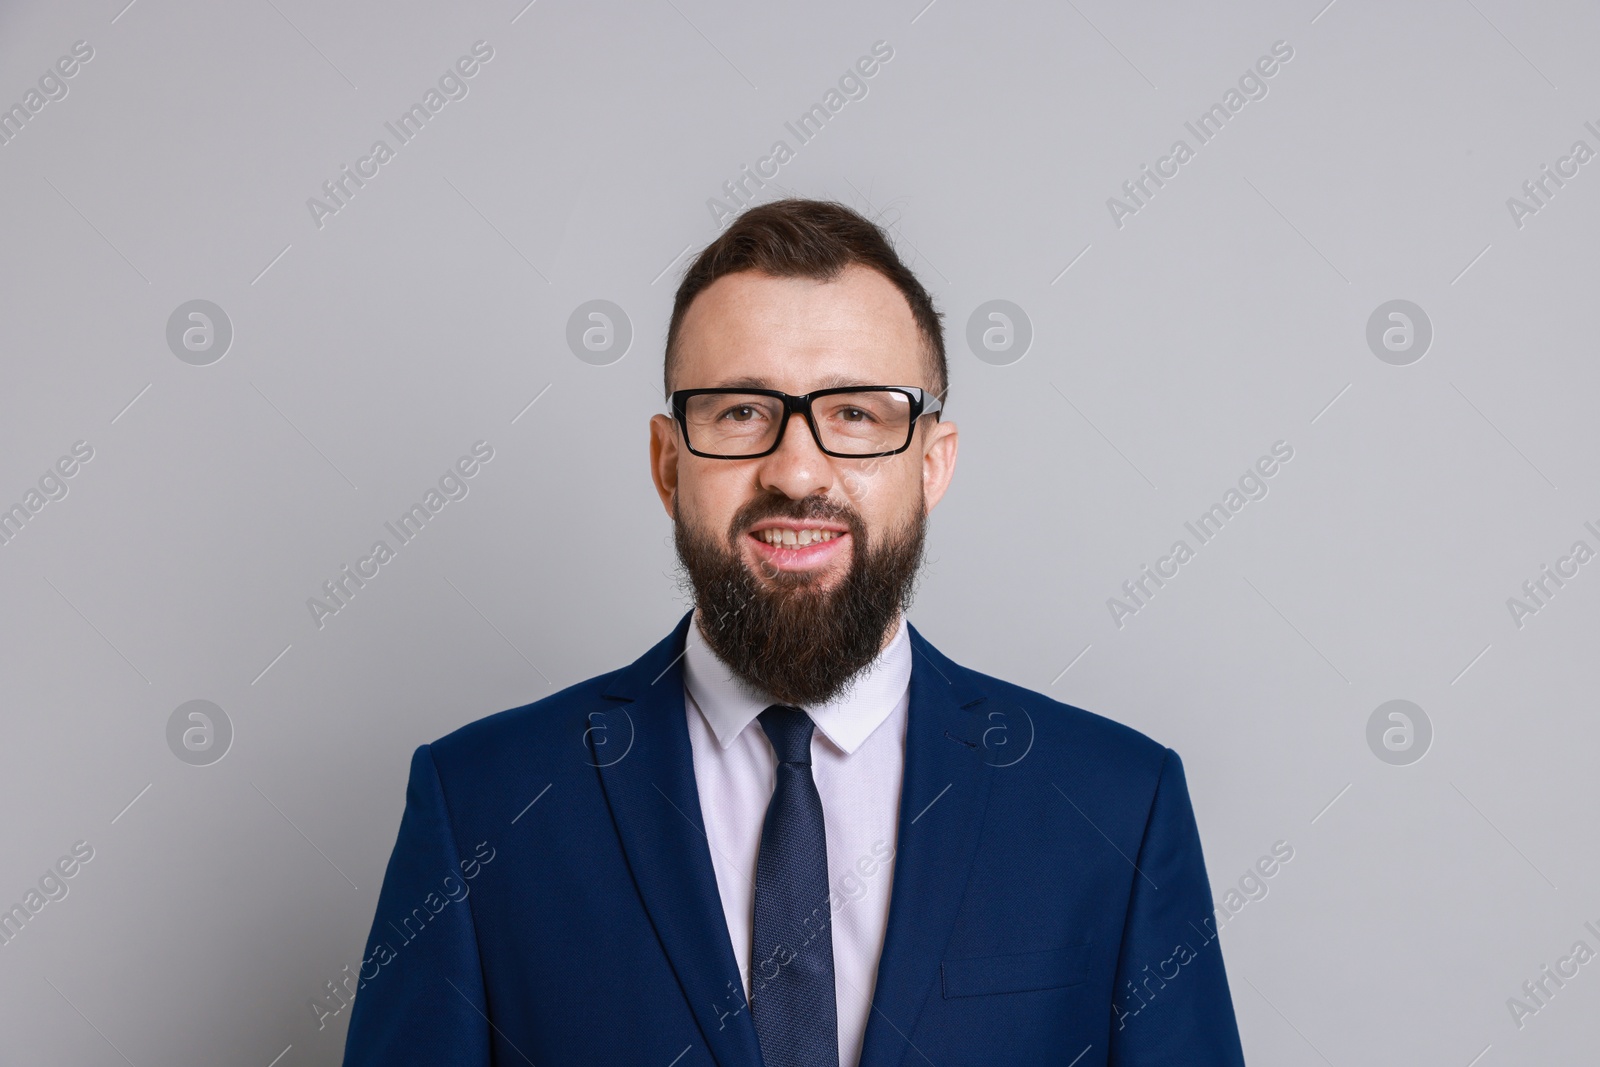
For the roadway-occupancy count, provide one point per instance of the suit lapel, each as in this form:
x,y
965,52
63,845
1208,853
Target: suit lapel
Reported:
x,y
943,795
655,805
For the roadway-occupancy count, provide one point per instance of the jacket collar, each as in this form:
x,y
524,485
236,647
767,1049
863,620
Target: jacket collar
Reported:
x,y
642,751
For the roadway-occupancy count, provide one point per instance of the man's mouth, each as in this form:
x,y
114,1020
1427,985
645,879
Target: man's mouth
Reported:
x,y
798,547
791,536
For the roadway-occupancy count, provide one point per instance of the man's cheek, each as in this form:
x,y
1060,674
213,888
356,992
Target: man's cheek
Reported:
x,y
874,493
855,484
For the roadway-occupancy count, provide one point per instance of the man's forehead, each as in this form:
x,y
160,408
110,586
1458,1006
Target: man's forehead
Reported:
x,y
751,330
801,370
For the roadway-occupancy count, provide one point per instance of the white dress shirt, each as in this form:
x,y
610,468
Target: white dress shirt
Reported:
x,y
857,759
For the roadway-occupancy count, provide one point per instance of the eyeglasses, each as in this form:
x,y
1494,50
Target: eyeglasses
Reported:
x,y
854,422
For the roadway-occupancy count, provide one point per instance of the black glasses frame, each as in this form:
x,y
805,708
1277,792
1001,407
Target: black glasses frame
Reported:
x,y
922,403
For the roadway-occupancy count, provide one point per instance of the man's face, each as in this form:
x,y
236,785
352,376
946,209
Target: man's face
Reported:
x,y
792,618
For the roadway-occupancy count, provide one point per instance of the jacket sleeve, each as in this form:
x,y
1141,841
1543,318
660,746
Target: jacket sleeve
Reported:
x,y
1171,1003
420,998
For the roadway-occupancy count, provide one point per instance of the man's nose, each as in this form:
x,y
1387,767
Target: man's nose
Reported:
x,y
798,468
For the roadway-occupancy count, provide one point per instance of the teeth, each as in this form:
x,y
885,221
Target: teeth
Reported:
x,y
777,535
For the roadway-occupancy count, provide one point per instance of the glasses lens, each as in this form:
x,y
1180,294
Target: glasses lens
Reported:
x,y
877,420
732,424
851,424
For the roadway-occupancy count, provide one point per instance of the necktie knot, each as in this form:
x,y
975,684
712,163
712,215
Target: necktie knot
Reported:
x,y
789,729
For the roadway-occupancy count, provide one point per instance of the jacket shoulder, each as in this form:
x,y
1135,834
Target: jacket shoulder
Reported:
x,y
1073,732
1096,737
538,726
1102,730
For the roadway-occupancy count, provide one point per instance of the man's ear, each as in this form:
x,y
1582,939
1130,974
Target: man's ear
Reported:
x,y
938,460
664,459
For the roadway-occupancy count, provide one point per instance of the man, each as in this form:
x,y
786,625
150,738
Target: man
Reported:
x,y
794,832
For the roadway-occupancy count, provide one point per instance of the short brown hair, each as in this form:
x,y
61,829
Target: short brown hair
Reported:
x,y
815,239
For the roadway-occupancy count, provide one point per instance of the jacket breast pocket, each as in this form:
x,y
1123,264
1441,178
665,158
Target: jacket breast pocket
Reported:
x,y
1018,972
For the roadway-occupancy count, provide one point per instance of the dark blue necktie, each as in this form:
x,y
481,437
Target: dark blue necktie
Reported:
x,y
791,960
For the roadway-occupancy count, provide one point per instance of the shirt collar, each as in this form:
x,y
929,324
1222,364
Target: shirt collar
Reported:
x,y
729,704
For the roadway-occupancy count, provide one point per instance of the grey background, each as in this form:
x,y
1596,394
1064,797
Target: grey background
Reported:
x,y
367,355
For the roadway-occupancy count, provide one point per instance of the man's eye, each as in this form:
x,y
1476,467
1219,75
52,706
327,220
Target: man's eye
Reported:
x,y
855,414
741,413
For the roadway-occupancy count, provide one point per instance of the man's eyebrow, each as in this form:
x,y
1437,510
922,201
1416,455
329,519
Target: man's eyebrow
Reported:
x,y
834,381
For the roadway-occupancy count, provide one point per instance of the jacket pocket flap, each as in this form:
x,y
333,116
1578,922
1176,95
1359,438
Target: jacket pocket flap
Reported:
x,y
1048,969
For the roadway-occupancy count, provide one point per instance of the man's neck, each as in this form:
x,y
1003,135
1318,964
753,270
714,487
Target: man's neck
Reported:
x,y
889,635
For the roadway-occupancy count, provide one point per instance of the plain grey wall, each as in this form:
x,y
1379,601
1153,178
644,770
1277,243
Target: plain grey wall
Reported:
x,y
1174,341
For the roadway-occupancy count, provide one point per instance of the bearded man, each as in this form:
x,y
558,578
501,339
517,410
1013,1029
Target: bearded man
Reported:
x,y
794,832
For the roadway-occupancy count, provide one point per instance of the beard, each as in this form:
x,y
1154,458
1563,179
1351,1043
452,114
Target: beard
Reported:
x,y
782,633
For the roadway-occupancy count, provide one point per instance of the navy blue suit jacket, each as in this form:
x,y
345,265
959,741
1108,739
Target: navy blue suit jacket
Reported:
x,y
551,898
